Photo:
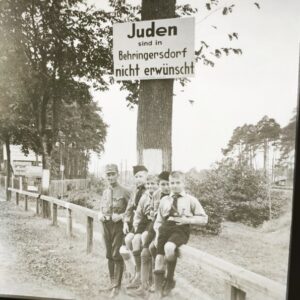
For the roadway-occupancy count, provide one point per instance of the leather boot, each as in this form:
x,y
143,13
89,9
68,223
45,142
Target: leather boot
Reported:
x,y
111,269
119,266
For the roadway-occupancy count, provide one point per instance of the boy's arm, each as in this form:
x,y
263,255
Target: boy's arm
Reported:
x,y
129,209
138,215
102,203
199,216
159,218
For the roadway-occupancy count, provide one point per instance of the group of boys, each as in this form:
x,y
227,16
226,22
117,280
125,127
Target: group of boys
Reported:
x,y
143,229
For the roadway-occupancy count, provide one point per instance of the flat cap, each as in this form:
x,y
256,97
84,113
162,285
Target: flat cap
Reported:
x,y
111,168
139,168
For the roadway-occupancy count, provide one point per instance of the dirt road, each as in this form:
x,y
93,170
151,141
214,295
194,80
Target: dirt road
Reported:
x,y
37,259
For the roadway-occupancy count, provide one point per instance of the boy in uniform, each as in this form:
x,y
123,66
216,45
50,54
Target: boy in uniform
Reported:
x,y
142,222
140,173
112,208
175,214
147,210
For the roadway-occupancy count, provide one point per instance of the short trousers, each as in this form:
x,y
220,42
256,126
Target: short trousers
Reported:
x,y
151,235
113,237
143,226
170,232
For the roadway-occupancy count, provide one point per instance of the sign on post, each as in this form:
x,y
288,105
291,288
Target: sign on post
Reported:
x,y
155,49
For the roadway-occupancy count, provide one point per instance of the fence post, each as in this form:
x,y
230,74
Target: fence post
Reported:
x,y
89,234
17,198
69,222
54,214
21,183
37,209
26,202
234,293
12,181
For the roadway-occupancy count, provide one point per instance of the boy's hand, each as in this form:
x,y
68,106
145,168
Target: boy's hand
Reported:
x,y
181,220
100,217
116,217
125,228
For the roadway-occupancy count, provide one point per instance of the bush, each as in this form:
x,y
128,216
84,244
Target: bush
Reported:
x,y
209,192
81,197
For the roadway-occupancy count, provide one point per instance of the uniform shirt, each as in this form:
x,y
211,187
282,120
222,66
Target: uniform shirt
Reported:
x,y
133,203
147,207
186,205
114,200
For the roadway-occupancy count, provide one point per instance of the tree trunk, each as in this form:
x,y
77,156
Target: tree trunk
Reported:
x,y
265,156
154,125
46,210
8,167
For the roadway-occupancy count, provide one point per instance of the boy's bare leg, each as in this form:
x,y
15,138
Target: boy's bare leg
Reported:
x,y
146,261
136,251
126,254
128,241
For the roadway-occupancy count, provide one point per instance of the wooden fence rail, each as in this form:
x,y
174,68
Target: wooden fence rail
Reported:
x,y
241,284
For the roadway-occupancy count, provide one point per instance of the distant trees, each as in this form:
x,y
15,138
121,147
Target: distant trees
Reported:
x,y
247,191
266,136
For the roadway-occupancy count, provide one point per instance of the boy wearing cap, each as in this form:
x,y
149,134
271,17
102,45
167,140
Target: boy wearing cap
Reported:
x,y
140,175
175,214
149,250
112,208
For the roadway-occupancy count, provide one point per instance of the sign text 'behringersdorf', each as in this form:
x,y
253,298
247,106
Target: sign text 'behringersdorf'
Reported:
x,y
154,49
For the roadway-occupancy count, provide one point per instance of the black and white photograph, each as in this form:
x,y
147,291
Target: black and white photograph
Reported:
x,y
148,148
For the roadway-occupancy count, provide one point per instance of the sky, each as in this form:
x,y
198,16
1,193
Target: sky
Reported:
x,y
238,90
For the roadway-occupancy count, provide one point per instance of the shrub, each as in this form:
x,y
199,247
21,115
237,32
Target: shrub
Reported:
x,y
208,191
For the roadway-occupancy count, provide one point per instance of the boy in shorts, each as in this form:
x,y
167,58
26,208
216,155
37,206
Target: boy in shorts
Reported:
x,y
142,221
175,214
149,250
140,173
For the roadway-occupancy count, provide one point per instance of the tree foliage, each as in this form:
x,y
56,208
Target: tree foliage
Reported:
x,y
64,43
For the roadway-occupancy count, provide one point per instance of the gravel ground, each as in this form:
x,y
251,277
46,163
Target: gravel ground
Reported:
x,y
47,254
45,257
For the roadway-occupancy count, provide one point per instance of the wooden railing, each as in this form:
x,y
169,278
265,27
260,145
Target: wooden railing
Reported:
x,y
241,284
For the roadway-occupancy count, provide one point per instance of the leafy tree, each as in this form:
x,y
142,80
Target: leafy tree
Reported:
x,y
287,139
84,130
268,132
12,70
64,42
244,143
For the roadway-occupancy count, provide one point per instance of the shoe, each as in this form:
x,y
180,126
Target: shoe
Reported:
x,y
115,292
140,292
152,288
107,289
135,283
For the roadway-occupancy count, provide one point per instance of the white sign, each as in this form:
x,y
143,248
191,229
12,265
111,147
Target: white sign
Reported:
x,y
155,49
19,167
